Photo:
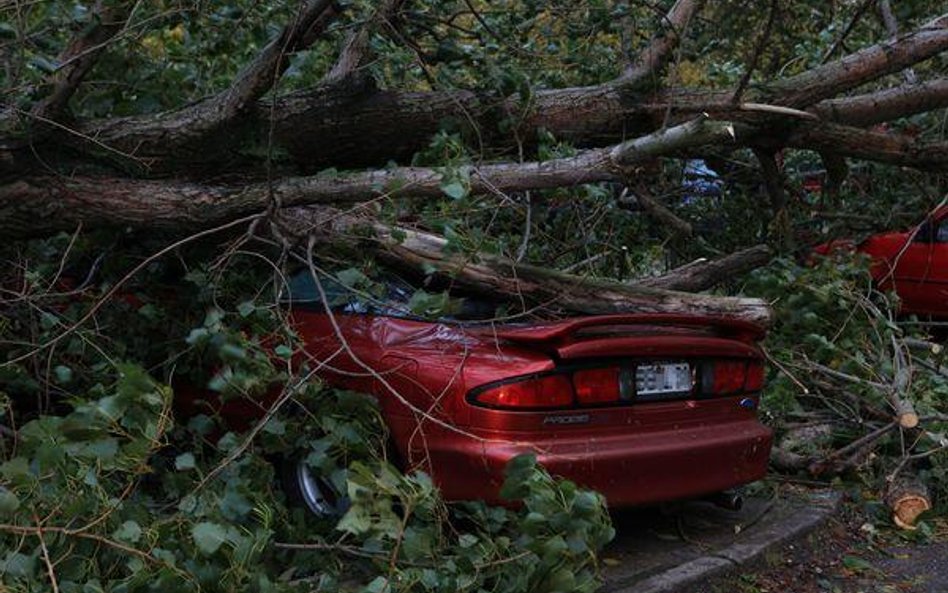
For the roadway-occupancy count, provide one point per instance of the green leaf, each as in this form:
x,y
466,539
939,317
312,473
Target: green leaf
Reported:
x,y
213,318
378,585
351,277
208,536
9,503
184,462
246,308
130,532
275,426
149,312
16,468
63,374
356,520
46,65
233,352
197,335
15,564
454,190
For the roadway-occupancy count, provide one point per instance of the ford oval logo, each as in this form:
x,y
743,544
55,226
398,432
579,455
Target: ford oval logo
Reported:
x,y
748,403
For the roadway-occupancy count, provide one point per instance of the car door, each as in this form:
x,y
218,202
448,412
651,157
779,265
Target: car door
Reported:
x,y
921,270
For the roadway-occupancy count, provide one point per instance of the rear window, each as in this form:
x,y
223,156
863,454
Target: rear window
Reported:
x,y
388,295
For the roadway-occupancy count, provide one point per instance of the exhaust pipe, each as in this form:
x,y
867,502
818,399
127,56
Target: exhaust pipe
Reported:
x,y
732,500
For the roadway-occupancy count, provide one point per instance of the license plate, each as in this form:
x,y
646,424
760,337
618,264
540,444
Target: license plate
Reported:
x,y
668,378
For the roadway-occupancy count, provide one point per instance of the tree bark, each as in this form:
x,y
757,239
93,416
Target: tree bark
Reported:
x,y
79,57
885,105
908,497
704,274
549,289
858,68
44,205
328,126
355,49
651,61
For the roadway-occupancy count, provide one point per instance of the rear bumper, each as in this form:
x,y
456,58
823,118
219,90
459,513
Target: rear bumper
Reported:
x,y
627,468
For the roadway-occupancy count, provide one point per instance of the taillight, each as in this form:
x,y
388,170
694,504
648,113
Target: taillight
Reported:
x,y
729,376
755,376
550,391
597,386
726,377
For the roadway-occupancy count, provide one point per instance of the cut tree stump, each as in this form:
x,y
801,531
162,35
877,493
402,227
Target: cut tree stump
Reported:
x,y
908,497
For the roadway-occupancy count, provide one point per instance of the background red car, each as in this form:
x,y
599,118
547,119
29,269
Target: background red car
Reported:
x,y
642,408
912,263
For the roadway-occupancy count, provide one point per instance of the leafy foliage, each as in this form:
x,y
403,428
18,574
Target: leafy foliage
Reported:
x,y
96,500
835,366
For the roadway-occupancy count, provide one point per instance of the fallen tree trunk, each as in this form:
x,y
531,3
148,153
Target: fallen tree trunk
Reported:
x,y
328,125
495,275
42,205
45,205
503,278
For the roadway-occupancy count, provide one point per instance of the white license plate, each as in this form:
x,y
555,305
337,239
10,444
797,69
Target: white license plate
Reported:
x,y
663,378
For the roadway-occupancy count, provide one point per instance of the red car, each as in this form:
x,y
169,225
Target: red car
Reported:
x,y
913,264
642,408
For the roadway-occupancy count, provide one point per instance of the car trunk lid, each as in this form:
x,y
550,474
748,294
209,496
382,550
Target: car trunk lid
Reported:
x,y
636,335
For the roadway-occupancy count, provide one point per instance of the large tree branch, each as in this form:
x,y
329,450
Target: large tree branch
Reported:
x,y
773,178
502,278
49,204
881,147
892,28
356,47
259,76
79,56
661,213
704,274
652,59
342,116
494,276
208,126
43,205
828,80
885,105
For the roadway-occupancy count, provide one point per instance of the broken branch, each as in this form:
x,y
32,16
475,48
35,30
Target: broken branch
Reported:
x,y
704,274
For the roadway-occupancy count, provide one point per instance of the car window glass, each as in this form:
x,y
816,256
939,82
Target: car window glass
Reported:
x,y
942,235
924,233
301,290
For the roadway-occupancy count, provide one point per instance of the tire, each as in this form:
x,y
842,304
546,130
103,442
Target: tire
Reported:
x,y
308,490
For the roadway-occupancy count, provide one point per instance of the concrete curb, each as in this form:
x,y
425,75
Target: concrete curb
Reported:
x,y
753,546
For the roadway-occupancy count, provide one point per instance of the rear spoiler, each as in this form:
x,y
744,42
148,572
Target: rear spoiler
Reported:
x,y
556,331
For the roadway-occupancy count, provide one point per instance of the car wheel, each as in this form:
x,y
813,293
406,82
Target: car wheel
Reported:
x,y
314,493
